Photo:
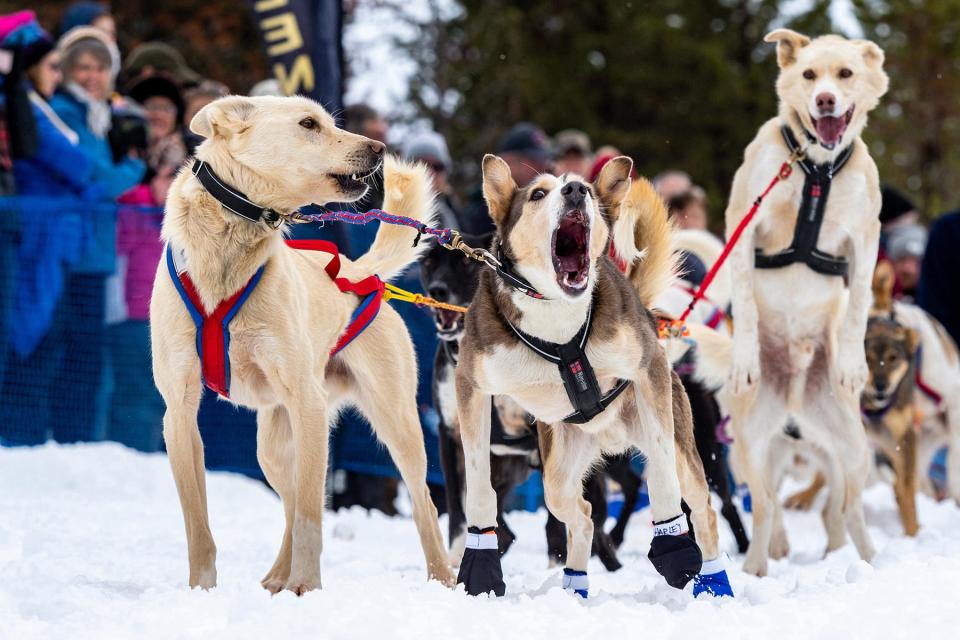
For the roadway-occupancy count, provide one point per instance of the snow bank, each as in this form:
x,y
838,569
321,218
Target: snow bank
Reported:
x,y
92,546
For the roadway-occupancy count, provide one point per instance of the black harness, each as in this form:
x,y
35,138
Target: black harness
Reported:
x,y
579,380
232,199
816,189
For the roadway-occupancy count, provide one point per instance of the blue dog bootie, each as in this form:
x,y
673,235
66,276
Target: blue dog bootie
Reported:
x,y
577,581
673,552
480,570
713,579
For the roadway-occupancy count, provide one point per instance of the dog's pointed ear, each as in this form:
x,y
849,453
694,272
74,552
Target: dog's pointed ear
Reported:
x,y
498,187
612,184
225,117
789,42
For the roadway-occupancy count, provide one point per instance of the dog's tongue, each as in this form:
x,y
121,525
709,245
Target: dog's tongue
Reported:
x,y
830,128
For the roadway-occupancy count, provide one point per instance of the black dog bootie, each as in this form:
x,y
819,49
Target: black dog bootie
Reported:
x,y
480,570
673,552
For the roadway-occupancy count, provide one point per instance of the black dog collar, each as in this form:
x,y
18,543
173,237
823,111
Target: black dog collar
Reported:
x,y
576,372
232,199
505,270
816,189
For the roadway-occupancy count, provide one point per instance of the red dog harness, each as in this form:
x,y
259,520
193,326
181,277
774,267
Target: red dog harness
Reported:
x,y
213,329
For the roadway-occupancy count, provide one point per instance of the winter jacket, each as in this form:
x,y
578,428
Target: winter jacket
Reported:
x,y
939,288
54,195
139,248
99,254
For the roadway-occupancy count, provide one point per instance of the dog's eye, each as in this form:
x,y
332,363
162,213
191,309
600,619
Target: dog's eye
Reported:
x,y
809,74
845,73
537,194
308,123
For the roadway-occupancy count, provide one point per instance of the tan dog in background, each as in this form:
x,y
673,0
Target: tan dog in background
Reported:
x,y
284,153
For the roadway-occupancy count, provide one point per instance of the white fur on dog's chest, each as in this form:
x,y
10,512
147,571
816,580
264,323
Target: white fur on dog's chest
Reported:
x,y
535,383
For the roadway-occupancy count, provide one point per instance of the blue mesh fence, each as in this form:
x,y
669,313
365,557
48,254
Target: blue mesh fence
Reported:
x,y
76,352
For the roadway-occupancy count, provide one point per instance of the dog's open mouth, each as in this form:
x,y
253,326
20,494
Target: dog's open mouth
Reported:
x,y
571,255
830,129
356,181
449,323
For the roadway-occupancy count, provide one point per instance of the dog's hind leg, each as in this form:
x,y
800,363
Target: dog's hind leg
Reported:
x,y
693,483
275,455
905,484
594,491
619,469
753,443
185,452
307,410
565,464
388,400
451,463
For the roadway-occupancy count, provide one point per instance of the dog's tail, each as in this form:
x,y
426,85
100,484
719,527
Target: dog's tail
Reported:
x,y
714,354
643,236
406,192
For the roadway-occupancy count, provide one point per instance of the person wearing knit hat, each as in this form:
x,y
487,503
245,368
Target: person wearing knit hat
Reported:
x,y
430,148
156,57
906,245
89,14
82,102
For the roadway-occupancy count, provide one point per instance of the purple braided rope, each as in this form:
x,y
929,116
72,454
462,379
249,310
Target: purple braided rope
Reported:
x,y
443,236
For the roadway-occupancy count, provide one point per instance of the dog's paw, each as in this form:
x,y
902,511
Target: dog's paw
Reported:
x,y
713,580
755,564
745,373
273,585
301,588
673,552
480,570
852,369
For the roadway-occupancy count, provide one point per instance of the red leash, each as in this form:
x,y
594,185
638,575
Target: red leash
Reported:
x,y
785,170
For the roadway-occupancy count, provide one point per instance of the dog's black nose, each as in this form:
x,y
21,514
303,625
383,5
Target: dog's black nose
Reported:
x,y
377,147
573,193
438,291
880,386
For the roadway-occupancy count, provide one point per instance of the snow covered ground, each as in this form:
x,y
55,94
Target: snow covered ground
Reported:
x,y
92,546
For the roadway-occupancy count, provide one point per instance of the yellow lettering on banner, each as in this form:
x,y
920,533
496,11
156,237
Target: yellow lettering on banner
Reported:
x,y
300,78
262,6
284,31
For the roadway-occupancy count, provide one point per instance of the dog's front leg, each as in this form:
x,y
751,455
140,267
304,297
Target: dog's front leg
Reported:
x,y
673,552
745,370
851,357
308,422
480,569
185,452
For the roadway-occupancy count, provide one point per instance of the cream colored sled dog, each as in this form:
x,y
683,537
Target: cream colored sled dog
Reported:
x,y
798,362
284,153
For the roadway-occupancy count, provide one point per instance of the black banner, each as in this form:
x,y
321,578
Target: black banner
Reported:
x,y
302,38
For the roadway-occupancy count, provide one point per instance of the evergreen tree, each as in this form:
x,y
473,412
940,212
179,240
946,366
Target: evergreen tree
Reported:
x,y
915,134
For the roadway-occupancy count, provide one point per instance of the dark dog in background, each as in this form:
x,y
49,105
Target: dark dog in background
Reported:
x,y
451,277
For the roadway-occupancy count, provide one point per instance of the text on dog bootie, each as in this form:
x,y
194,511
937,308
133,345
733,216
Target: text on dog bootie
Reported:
x,y
480,570
673,552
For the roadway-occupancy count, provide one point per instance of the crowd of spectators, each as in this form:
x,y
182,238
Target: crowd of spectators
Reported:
x,y
89,145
